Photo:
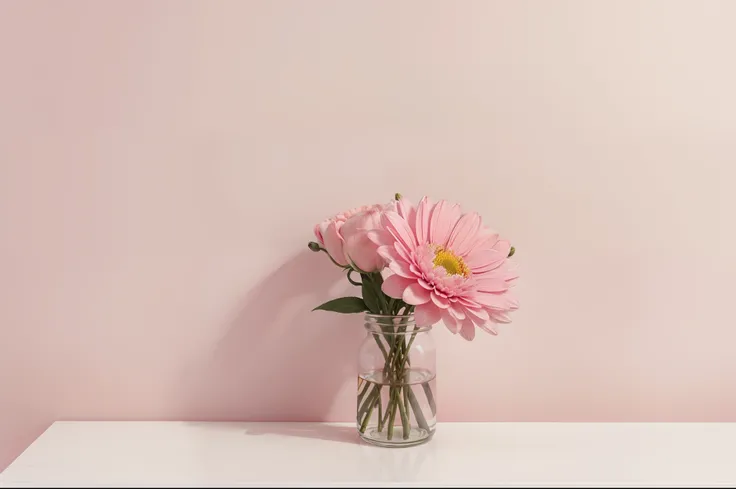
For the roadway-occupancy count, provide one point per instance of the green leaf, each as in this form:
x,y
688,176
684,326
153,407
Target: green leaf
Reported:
x,y
343,305
378,279
369,295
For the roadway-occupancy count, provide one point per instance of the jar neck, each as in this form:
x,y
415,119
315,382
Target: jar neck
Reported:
x,y
394,325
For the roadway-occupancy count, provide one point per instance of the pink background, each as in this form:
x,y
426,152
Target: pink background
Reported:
x,y
162,164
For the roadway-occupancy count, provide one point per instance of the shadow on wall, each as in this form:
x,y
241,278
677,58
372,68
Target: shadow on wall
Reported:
x,y
278,361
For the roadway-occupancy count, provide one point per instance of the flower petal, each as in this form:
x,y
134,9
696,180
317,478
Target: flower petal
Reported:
x,y
400,267
481,261
422,221
402,251
415,294
468,330
424,284
439,301
492,285
380,237
407,211
442,221
389,253
464,233
457,312
318,234
499,317
503,247
469,303
395,285
360,251
488,329
479,314
482,323
399,229
334,244
496,302
452,324
485,239
512,273
427,314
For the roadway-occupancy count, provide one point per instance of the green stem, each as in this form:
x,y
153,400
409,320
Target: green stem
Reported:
x,y
405,376
430,398
368,401
364,390
405,360
402,412
398,336
407,388
391,354
411,397
395,370
380,412
399,345
380,345
382,298
344,267
379,293
392,417
367,418
418,414
350,279
376,389
382,421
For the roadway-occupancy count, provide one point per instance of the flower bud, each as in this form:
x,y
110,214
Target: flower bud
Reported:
x,y
511,252
397,196
314,246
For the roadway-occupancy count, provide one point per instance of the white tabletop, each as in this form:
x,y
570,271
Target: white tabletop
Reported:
x,y
313,454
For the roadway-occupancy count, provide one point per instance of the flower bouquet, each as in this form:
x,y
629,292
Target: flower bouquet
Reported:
x,y
415,266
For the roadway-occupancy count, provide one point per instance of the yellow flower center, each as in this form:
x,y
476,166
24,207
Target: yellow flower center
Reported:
x,y
453,264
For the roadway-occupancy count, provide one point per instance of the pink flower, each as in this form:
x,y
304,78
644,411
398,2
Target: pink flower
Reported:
x,y
359,250
448,265
344,236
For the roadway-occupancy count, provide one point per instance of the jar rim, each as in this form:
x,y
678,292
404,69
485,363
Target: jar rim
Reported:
x,y
377,323
398,316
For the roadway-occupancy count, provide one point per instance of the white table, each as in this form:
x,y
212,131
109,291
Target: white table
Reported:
x,y
313,454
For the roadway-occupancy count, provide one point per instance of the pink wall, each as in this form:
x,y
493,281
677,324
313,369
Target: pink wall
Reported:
x,y
162,164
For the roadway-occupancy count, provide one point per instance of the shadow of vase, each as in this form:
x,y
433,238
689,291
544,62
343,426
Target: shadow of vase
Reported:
x,y
278,360
327,432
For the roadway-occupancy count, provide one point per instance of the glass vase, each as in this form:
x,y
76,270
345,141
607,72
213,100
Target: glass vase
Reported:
x,y
396,382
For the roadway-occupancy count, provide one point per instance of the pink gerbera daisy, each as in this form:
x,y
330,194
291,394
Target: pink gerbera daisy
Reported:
x,y
448,265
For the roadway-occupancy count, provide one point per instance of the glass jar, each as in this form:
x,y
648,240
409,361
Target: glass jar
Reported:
x,y
396,382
